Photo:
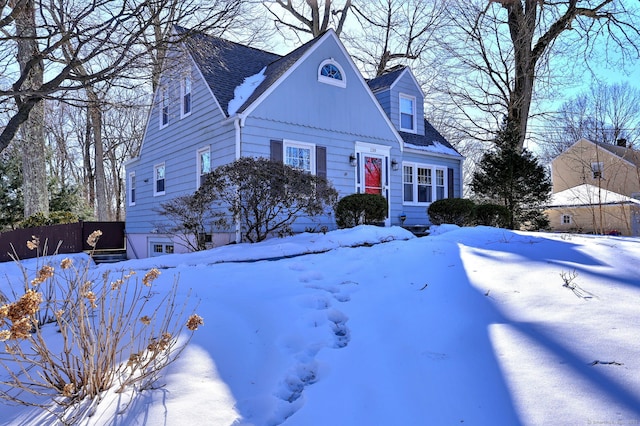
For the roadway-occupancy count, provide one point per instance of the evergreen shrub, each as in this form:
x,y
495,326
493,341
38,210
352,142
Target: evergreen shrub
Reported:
x,y
361,209
457,211
494,215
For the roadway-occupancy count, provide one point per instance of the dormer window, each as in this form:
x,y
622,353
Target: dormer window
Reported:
x,y
407,113
330,72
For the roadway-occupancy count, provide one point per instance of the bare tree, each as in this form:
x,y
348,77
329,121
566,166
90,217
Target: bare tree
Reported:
x,y
606,113
309,16
84,46
36,194
392,32
505,50
124,124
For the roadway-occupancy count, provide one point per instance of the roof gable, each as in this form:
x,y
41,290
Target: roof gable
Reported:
x,y
277,69
624,153
280,70
385,81
224,64
388,80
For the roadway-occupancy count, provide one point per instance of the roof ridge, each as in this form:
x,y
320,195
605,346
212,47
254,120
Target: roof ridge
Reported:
x,y
192,32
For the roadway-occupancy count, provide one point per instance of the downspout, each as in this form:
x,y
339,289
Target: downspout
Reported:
x,y
238,123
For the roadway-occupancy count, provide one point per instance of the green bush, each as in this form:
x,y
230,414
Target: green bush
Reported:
x,y
359,209
457,211
492,215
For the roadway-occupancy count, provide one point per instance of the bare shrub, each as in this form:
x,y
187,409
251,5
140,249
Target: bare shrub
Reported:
x,y
266,197
115,331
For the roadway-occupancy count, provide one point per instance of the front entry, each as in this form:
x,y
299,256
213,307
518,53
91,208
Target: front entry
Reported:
x,y
373,175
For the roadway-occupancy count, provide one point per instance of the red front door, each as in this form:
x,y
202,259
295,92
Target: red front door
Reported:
x,y
372,175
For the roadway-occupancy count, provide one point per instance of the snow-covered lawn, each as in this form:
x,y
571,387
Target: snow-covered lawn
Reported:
x,y
476,326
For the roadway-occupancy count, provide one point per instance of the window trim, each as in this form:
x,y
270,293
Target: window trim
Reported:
x,y
155,179
163,110
563,216
434,183
597,172
184,94
199,173
329,80
132,189
164,245
305,145
413,100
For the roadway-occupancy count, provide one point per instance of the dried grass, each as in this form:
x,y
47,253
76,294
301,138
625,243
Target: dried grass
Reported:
x,y
113,332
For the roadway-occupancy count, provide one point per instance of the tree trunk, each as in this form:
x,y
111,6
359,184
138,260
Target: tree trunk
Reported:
x,y
34,165
95,116
89,180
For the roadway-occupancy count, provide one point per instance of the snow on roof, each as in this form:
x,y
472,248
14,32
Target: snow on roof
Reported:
x,y
586,195
437,147
242,92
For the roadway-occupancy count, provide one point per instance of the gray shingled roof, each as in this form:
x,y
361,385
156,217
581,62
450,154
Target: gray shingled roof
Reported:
x,y
431,135
225,65
385,80
625,152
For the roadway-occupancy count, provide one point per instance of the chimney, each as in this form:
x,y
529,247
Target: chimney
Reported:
x,y
622,142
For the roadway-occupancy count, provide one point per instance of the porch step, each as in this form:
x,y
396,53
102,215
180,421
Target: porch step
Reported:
x,y
109,256
418,230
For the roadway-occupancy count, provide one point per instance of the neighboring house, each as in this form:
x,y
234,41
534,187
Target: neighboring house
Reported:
x,y
596,188
612,167
589,209
219,101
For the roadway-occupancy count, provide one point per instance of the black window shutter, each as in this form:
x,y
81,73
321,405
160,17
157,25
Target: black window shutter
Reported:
x,y
276,150
321,161
450,182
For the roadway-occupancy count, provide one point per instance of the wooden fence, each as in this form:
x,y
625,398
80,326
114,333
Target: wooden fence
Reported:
x,y
72,238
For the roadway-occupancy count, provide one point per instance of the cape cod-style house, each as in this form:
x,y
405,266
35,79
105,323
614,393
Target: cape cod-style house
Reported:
x,y
218,101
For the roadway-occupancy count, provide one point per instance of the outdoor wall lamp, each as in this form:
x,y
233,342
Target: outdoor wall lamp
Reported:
x,y
403,217
352,159
394,164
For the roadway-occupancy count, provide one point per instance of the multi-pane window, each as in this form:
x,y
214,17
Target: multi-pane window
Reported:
x,y
439,184
159,178
186,95
300,156
159,248
407,181
597,169
566,219
407,113
132,189
204,164
164,106
330,72
423,184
